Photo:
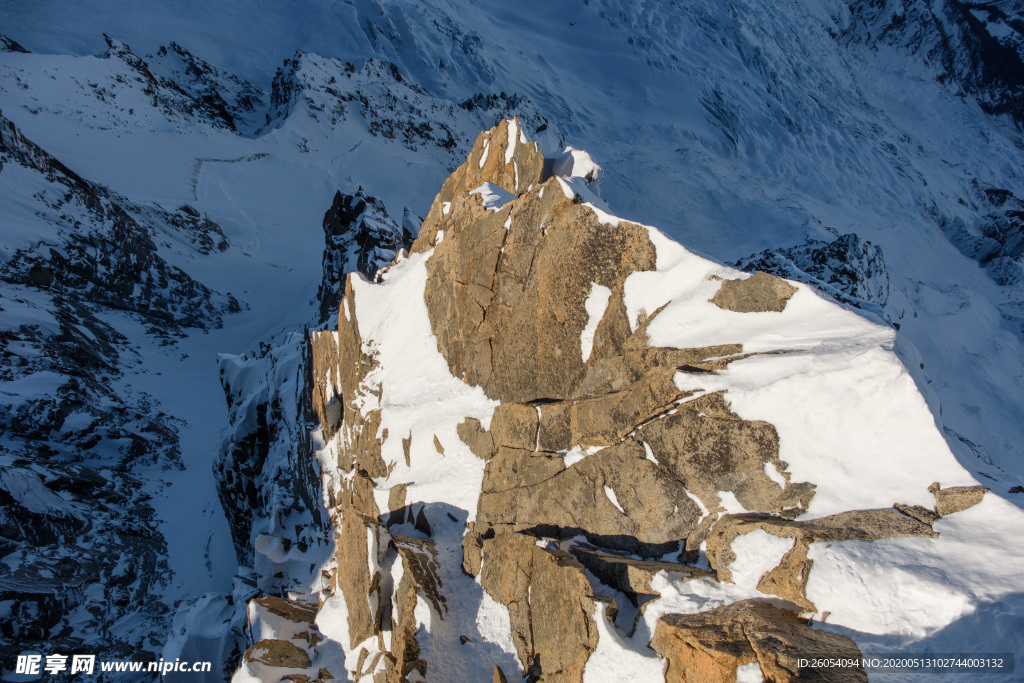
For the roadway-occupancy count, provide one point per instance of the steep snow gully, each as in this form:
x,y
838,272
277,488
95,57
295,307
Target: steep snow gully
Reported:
x,y
185,186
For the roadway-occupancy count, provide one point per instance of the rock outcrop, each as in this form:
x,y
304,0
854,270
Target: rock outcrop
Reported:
x,y
710,646
360,237
603,475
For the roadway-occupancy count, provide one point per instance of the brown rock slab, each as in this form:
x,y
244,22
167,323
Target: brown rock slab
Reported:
x,y
760,293
353,575
507,304
712,449
956,498
287,609
550,601
536,489
280,654
324,357
479,440
709,647
629,575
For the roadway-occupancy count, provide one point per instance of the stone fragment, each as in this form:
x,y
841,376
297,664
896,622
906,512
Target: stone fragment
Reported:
x,y
280,654
759,293
287,609
550,601
472,553
479,440
629,575
956,498
709,647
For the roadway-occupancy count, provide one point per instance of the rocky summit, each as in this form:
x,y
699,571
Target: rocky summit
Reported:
x,y
556,445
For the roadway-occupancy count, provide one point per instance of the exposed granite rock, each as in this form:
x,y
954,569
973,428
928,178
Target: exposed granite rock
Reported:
x,y
326,401
338,393
287,609
956,498
699,442
360,237
419,576
419,557
353,578
506,310
629,575
556,638
757,294
648,463
531,489
708,647
712,449
281,654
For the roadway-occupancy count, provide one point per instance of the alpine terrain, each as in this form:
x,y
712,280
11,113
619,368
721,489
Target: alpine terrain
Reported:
x,y
328,353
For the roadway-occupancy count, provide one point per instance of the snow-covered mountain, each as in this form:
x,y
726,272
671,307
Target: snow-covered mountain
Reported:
x,y
183,196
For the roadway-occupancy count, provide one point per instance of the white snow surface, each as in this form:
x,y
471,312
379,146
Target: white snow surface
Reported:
x,y
492,196
597,302
420,396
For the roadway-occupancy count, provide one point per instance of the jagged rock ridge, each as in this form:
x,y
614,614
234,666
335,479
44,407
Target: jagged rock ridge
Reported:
x,y
601,470
73,433
360,237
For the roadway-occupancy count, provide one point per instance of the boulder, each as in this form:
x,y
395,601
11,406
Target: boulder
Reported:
x,y
956,498
709,647
757,294
280,654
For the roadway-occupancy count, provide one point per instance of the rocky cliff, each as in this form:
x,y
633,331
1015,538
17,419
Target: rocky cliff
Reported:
x,y
556,445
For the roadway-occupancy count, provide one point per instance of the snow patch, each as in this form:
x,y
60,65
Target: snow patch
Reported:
x,y
774,474
483,157
510,149
649,454
596,304
492,196
614,660
611,497
578,453
749,673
